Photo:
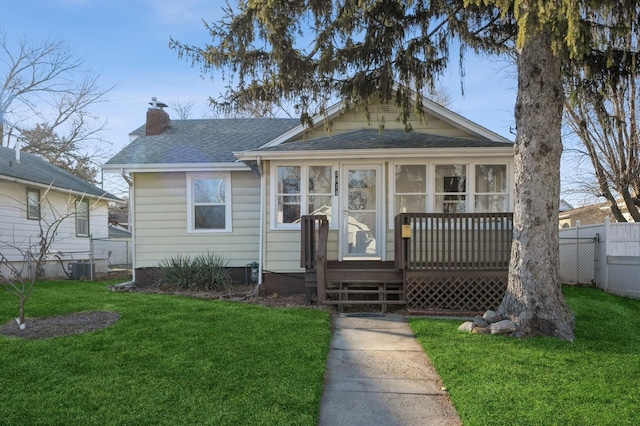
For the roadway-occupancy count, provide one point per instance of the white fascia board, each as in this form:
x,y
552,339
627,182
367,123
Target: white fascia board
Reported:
x,y
299,129
177,167
58,189
378,153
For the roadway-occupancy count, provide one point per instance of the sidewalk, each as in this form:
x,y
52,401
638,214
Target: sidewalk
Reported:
x,y
377,374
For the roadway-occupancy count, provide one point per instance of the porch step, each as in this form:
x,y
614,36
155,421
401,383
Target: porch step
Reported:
x,y
364,292
365,275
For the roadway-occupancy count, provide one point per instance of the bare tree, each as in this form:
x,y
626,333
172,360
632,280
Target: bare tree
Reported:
x,y
22,259
182,108
603,114
44,86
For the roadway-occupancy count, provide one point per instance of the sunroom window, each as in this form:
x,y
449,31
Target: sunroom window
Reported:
x,y
410,192
289,194
301,190
491,188
319,190
451,188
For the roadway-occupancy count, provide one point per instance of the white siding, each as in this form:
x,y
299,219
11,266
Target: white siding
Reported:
x,y
353,120
17,230
160,220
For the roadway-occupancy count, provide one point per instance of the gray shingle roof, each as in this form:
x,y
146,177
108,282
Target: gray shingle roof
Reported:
x,y
389,139
34,169
202,141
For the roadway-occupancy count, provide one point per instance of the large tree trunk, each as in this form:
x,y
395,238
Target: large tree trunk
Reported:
x,y
534,300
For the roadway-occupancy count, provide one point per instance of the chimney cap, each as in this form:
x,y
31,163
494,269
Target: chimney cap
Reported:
x,y
155,104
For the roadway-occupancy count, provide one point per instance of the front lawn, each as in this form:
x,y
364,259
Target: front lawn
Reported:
x,y
595,380
169,360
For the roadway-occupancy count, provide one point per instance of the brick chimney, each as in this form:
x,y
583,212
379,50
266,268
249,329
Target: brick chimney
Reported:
x,y
158,120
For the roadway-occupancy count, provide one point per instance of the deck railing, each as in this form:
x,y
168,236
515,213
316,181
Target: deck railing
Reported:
x,y
311,227
313,250
459,241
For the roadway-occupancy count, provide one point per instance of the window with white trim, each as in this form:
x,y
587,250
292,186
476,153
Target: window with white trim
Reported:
x,y
302,189
209,202
82,218
33,204
491,188
319,189
410,188
451,188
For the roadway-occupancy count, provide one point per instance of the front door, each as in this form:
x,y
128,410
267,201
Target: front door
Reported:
x,y
361,203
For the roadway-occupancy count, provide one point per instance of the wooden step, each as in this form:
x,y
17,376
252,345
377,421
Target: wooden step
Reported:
x,y
360,291
360,264
364,275
364,302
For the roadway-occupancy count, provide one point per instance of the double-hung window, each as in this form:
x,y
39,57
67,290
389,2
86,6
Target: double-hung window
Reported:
x,y
451,188
289,194
301,190
411,189
33,204
82,218
491,188
319,190
209,202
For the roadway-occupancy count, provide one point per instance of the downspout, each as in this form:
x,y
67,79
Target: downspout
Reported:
x,y
132,283
263,189
256,291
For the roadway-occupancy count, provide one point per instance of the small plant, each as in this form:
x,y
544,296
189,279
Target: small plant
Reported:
x,y
205,272
177,272
212,272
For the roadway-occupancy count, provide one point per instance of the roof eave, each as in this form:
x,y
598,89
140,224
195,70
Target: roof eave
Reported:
x,y
59,189
175,167
374,153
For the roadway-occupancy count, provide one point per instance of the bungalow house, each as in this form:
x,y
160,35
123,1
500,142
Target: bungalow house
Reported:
x,y
35,195
244,186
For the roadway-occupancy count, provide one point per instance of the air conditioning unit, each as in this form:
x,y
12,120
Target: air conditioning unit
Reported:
x,y
80,270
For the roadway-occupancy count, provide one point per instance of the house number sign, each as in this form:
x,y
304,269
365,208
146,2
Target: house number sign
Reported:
x,y
335,185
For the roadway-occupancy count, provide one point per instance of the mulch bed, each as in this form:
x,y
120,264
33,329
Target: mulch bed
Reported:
x,y
61,325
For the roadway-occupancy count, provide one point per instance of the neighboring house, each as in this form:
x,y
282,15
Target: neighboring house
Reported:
x,y
33,195
593,214
240,186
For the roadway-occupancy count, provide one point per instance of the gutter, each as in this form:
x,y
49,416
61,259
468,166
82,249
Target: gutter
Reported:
x,y
60,189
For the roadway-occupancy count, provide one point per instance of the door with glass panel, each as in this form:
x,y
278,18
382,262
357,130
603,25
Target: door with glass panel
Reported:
x,y
361,203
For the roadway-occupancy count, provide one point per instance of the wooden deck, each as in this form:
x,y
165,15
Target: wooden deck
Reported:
x,y
445,264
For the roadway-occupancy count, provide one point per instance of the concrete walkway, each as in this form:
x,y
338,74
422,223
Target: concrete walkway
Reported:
x,y
377,374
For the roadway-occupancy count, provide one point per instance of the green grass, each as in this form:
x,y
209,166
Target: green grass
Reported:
x,y
169,360
496,380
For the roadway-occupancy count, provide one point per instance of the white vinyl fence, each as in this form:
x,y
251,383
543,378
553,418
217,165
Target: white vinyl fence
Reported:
x,y
607,255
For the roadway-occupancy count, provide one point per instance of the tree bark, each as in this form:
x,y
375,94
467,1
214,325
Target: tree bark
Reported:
x,y
534,299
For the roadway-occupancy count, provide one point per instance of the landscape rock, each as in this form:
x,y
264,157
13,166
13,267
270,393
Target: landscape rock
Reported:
x,y
478,321
503,327
466,326
480,330
492,317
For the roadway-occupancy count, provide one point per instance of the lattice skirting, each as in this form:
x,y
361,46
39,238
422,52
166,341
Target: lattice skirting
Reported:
x,y
463,292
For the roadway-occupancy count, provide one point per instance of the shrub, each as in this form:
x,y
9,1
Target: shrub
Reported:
x,y
177,272
211,272
203,273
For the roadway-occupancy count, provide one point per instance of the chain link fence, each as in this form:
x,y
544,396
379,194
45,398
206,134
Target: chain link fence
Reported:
x,y
579,260
112,257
